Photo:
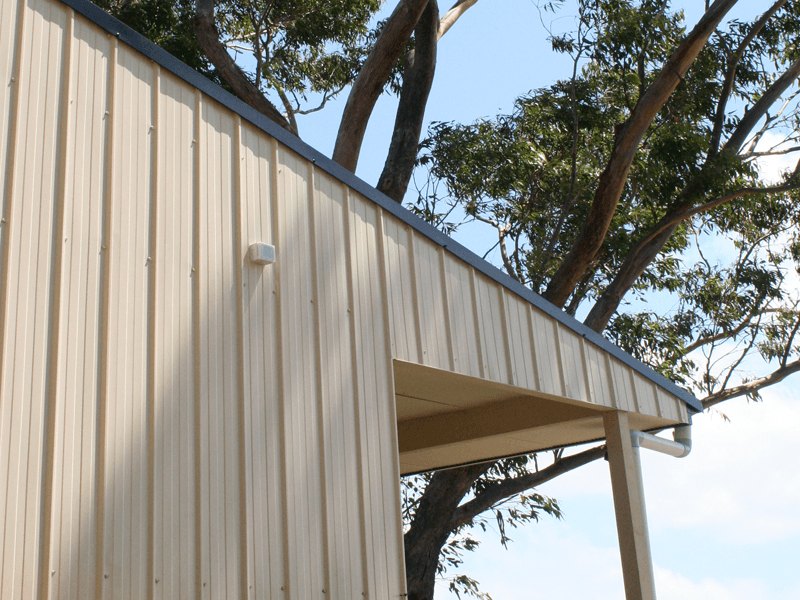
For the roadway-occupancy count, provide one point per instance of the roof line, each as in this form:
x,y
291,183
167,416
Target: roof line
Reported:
x,y
138,42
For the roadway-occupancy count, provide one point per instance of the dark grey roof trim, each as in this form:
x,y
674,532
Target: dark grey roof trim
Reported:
x,y
178,68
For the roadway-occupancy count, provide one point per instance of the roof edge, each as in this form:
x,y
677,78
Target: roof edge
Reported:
x,y
141,44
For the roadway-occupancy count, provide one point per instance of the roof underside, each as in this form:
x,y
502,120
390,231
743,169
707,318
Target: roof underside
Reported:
x,y
445,419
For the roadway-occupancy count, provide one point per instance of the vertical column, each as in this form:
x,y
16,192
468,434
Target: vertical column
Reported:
x,y
626,484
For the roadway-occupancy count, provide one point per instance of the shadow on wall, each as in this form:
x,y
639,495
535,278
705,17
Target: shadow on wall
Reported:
x,y
193,425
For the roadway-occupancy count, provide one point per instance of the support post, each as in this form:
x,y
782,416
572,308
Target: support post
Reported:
x,y
626,483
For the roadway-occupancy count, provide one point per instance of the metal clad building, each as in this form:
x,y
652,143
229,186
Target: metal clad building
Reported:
x,y
179,422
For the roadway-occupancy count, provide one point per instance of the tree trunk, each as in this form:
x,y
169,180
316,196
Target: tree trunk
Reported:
x,y
432,526
642,255
371,80
417,80
454,14
208,36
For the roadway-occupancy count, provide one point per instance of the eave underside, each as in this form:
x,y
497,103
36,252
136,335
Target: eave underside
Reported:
x,y
445,419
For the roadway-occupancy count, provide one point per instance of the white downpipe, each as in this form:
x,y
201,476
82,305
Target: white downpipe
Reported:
x,y
681,447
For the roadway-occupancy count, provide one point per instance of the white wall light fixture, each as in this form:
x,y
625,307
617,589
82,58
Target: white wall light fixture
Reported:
x,y
261,254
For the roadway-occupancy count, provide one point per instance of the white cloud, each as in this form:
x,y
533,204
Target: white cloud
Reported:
x,y
672,586
740,480
547,562
722,520
771,168
556,563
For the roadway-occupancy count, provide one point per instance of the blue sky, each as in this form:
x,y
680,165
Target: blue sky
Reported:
x,y
724,522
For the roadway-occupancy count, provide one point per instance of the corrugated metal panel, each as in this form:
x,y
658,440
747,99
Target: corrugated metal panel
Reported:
x,y
33,189
380,468
433,322
299,330
177,422
263,416
461,310
74,525
544,331
175,411
415,225
126,547
403,306
523,365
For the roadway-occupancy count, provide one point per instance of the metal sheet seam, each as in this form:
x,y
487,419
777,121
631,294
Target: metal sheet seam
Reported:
x,y
12,142
237,199
537,376
394,458
476,323
586,369
196,325
507,349
559,356
280,374
415,292
105,303
448,320
56,283
154,132
360,420
317,326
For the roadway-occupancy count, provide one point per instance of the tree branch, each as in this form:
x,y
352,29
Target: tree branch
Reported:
x,y
417,81
770,153
760,108
288,106
730,74
700,342
612,181
370,81
643,253
788,350
751,387
451,16
208,38
511,487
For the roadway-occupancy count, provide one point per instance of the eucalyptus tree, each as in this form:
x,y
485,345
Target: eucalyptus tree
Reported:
x,y
605,186
290,57
602,198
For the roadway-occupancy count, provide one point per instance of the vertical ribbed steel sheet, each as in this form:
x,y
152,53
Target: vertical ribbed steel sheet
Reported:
x,y
177,422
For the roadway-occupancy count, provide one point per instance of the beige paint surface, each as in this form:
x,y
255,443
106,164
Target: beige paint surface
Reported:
x,y
177,422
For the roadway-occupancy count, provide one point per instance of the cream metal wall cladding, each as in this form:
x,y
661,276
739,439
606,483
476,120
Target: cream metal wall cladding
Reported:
x,y
177,422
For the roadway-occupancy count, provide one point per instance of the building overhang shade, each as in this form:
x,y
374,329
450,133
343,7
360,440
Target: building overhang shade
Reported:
x,y
446,419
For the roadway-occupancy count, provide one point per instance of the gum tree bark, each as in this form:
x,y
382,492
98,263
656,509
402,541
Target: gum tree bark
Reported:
x,y
371,80
417,80
208,37
612,181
